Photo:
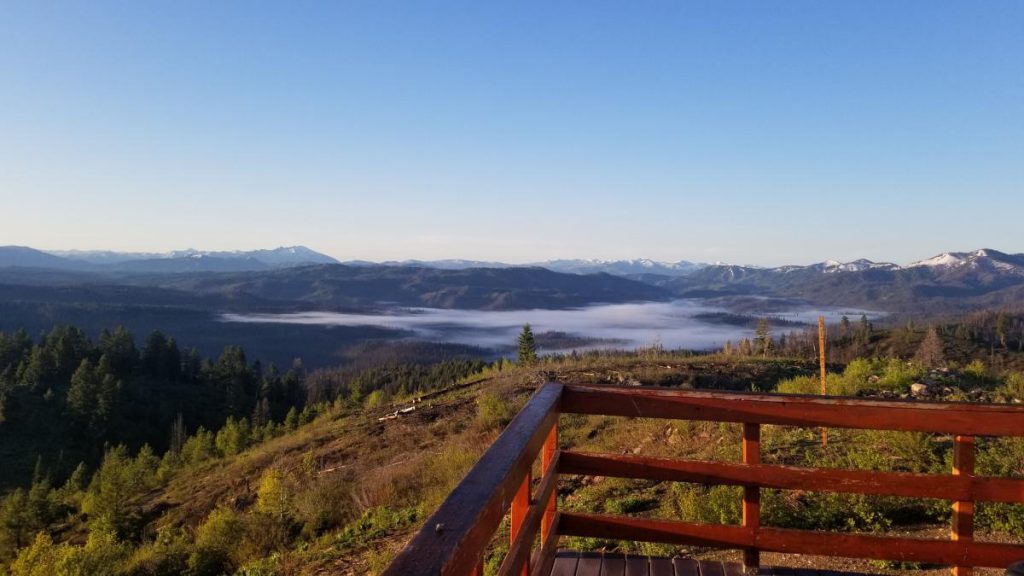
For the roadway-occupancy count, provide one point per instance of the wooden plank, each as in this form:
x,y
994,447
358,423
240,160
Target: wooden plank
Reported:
x,y
911,485
990,555
565,563
548,454
751,519
589,565
888,548
989,489
637,566
520,508
686,566
613,565
454,538
517,558
963,510
662,567
796,410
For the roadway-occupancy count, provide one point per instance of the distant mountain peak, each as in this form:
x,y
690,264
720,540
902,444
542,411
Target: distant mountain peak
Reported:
x,y
193,260
944,260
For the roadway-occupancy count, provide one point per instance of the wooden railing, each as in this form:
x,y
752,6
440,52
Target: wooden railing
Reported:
x,y
455,538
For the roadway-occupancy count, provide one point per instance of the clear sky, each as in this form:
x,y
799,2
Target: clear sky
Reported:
x,y
756,132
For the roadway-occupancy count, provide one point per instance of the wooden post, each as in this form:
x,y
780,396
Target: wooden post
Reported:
x,y
751,494
821,355
520,508
963,510
547,455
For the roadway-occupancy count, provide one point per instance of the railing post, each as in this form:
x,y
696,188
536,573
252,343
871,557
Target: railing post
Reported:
x,y
520,508
546,457
752,494
963,510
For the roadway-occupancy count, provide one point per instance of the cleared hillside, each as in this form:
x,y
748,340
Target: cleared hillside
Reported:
x,y
342,494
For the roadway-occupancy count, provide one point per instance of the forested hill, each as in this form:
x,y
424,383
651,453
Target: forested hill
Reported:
x,y
336,286
354,287
65,398
190,305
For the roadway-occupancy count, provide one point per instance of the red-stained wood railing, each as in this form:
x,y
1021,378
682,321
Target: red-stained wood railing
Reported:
x,y
455,538
962,487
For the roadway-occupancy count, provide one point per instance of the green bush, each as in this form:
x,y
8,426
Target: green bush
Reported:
x,y
860,375
708,505
494,411
1013,387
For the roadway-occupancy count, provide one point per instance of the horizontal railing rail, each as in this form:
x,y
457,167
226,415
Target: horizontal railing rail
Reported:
x,y
796,410
906,484
454,540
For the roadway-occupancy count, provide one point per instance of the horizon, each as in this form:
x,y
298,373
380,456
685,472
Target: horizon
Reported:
x,y
733,132
349,260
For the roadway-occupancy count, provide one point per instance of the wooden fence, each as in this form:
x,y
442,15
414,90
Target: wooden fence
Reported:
x,y
453,541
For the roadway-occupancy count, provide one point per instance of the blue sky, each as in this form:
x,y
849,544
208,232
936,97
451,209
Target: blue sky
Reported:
x,y
753,132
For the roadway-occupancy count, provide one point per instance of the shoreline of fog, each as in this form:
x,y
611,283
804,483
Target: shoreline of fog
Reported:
x,y
669,324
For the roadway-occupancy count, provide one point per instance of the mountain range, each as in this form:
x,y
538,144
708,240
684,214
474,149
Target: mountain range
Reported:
x,y
178,261
193,260
297,275
644,267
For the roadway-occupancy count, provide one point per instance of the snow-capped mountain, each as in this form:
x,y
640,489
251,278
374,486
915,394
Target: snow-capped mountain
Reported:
x,y
192,259
983,259
833,266
451,264
622,267
633,267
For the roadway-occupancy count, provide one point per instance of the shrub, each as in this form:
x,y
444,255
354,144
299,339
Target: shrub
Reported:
x,y
708,505
976,370
102,554
274,495
376,399
493,411
217,538
324,504
42,558
1013,387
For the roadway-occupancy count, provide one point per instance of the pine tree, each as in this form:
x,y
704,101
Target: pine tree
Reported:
x,y
865,329
745,348
763,337
930,352
1001,328
527,347
178,435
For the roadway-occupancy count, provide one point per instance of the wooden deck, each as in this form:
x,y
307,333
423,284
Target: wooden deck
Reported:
x,y
572,563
